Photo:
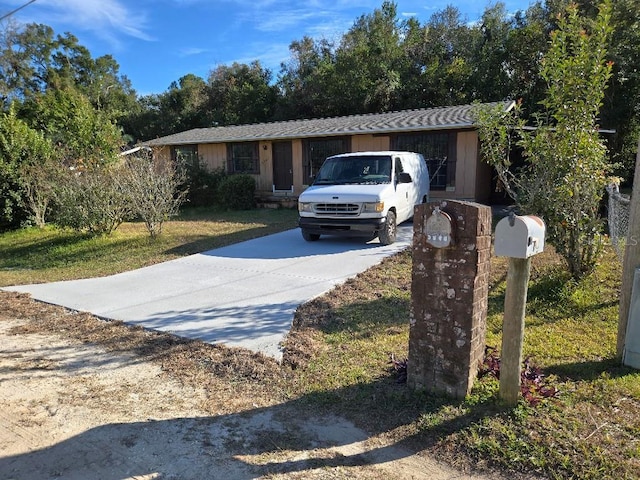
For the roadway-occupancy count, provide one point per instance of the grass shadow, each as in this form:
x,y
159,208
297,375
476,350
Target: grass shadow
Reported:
x,y
590,370
51,254
67,250
365,319
193,244
14,254
218,214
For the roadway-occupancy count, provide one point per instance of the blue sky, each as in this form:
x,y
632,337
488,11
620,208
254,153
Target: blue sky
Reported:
x,y
158,41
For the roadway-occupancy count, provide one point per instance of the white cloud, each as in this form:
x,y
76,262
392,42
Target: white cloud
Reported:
x,y
270,55
109,19
285,20
191,51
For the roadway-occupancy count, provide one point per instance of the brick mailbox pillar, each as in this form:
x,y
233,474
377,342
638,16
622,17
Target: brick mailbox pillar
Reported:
x,y
449,294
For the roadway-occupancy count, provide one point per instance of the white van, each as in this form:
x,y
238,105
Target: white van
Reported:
x,y
364,193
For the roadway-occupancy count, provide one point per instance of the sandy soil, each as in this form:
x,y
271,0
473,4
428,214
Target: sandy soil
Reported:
x,y
74,410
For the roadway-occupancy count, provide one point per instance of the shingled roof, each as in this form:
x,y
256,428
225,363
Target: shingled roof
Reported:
x,y
390,122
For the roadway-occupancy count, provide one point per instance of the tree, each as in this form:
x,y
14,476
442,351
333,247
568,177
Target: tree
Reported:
x,y
566,152
20,147
305,79
241,94
39,182
437,66
7,60
152,187
498,132
82,134
182,107
28,65
368,63
567,165
527,43
621,109
35,60
185,103
489,79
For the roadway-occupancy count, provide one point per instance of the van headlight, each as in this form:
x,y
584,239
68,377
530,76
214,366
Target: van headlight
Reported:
x,y
373,207
305,207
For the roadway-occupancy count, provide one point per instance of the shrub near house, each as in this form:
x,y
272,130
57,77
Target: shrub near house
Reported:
x,y
236,192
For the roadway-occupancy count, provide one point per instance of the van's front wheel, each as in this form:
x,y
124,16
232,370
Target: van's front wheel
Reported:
x,y
310,237
388,234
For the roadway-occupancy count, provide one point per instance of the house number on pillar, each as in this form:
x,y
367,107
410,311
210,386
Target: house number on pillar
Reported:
x,y
438,229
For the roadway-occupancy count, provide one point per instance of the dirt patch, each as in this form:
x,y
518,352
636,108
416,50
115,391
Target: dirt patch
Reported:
x,y
83,398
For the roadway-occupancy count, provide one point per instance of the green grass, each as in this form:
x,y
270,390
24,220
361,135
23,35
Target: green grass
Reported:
x,y
591,431
35,256
341,343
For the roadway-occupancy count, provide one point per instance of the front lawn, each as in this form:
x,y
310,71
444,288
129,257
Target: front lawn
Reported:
x,y
34,256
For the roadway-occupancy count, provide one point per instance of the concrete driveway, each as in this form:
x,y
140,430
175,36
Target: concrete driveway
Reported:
x,y
241,295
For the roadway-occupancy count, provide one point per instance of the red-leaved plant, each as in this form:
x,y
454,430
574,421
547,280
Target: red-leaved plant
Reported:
x,y
533,384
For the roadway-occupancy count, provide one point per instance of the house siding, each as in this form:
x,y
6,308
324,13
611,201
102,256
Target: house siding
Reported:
x,y
466,169
467,164
366,143
484,177
213,155
298,187
264,181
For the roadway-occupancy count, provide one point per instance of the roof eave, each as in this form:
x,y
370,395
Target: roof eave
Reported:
x,y
253,138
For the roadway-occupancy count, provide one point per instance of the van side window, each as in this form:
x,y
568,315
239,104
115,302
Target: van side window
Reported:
x,y
399,168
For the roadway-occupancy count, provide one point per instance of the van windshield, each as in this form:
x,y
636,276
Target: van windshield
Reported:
x,y
355,170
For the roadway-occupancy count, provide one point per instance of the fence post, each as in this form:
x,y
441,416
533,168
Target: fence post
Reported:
x,y
631,258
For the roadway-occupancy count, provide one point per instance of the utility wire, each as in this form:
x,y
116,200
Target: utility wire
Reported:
x,y
14,11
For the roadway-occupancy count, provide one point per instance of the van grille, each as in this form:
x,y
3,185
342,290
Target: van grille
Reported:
x,y
337,208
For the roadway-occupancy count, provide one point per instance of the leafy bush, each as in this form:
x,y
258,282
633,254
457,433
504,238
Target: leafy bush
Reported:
x,y
93,200
39,186
153,188
20,147
236,192
201,182
98,199
565,177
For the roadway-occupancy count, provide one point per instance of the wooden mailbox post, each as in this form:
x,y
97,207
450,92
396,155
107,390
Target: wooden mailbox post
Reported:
x,y
519,238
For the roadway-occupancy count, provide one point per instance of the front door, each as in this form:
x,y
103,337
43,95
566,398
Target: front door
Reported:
x,y
282,166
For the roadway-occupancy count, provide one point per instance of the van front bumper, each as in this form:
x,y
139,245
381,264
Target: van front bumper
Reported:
x,y
337,226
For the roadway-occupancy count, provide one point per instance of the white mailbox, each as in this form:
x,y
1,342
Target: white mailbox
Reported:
x,y
439,229
519,236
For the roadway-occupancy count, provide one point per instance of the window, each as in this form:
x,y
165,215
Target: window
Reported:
x,y
399,168
243,158
185,154
439,151
316,150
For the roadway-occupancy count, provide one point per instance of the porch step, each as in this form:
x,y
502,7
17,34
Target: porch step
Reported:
x,y
275,202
